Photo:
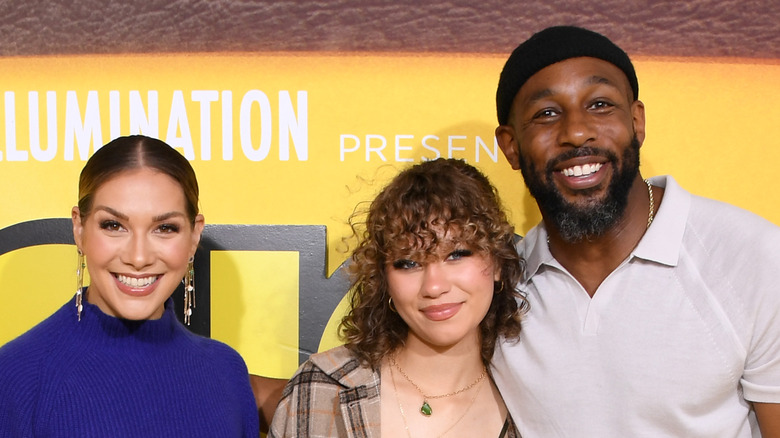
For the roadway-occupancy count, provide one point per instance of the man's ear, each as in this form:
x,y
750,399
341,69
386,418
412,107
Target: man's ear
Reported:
x,y
505,135
75,216
638,119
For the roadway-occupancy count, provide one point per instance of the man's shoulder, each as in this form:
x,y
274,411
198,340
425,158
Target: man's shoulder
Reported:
x,y
729,221
527,244
729,245
712,209
710,218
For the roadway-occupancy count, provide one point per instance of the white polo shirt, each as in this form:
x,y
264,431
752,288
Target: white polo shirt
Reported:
x,y
672,343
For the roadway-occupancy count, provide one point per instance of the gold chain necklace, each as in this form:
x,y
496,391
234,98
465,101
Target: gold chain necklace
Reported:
x,y
426,409
401,408
650,215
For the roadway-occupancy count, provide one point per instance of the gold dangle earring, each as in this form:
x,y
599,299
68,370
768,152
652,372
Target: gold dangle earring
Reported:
x,y
80,282
189,290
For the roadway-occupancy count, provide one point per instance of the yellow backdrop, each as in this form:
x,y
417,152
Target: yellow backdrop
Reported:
x,y
303,138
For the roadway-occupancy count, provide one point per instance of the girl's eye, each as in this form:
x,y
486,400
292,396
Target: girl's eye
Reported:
x,y
168,228
459,254
110,225
405,264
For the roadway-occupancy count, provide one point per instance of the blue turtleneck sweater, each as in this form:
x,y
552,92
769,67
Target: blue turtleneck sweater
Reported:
x,y
105,376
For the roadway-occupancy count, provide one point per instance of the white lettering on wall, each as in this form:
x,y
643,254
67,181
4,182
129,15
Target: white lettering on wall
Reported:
x,y
10,133
178,123
343,149
292,125
38,153
87,115
227,125
113,114
81,130
142,122
481,145
376,149
451,144
245,124
406,149
426,143
205,97
399,147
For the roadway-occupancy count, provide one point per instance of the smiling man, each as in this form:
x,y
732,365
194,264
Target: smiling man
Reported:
x,y
654,312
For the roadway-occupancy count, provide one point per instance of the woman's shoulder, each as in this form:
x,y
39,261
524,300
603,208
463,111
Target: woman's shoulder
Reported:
x,y
39,341
314,393
338,367
214,350
335,358
21,360
31,360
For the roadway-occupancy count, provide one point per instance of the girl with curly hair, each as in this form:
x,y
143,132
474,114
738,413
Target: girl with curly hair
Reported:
x,y
432,291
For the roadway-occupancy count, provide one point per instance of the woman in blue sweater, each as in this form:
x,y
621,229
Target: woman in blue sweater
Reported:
x,y
114,360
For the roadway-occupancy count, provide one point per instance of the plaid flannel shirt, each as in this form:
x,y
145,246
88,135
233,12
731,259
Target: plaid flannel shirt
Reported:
x,y
332,395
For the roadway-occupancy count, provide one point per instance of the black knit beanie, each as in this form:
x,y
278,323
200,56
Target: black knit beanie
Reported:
x,y
552,45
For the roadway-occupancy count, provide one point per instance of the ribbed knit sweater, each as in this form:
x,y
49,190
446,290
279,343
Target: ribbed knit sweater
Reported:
x,y
107,377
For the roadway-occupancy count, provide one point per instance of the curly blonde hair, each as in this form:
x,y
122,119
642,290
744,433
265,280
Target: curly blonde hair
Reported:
x,y
428,200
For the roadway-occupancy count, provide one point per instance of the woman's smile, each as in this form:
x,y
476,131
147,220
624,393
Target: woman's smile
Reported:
x,y
137,240
441,312
137,286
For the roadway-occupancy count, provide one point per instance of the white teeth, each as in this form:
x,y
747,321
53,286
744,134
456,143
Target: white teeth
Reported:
x,y
136,282
584,170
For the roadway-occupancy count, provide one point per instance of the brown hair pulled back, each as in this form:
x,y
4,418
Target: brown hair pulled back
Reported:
x,y
136,152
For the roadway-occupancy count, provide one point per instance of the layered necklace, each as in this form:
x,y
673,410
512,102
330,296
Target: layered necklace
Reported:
x,y
426,408
428,411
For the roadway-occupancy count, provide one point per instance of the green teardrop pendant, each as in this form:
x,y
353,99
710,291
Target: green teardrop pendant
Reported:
x,y
425,409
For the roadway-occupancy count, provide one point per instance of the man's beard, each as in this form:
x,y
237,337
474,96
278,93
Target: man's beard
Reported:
x,y
578,222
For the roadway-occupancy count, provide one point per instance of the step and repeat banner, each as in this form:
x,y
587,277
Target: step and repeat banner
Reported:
x,y
287,145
